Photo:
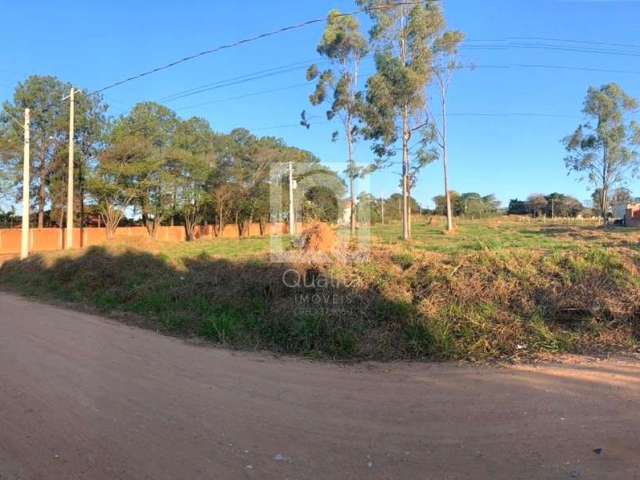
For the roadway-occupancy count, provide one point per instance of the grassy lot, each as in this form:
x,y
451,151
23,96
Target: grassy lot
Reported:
x,y
230,249
492,289
499,234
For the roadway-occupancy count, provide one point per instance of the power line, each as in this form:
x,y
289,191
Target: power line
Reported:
x,y
19,122
511,114
292,125
253,94
238,43
470,67
555,67
455,114
562,40
238,80
509,45
239,97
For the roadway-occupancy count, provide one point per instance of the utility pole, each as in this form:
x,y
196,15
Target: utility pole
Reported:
x,y
24,238
292,220
69,243
382,209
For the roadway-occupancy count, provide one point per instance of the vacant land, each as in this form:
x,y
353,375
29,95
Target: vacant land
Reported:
x,y
493,289
503,233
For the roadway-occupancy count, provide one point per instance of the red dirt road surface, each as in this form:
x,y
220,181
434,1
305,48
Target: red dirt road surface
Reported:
x,y
82,397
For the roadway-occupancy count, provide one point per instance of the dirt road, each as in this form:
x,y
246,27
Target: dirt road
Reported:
x,y
86,398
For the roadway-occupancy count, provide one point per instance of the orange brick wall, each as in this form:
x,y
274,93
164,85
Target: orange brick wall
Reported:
x,y
51,239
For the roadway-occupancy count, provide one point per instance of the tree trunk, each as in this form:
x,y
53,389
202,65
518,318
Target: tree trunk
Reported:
x,y
41,203
605,186
406,135
82,194
352,172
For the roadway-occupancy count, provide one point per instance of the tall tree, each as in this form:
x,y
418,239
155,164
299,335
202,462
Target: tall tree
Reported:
x,y
403,34
110,184
144,139
537,204
344,46
91,128
49,120
49,136
603,149
190,162
10,165
445,63
244,164
621,196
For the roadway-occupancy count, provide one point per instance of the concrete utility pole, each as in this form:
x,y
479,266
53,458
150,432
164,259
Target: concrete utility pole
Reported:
x,y
69,243
382,209
292,220
26,183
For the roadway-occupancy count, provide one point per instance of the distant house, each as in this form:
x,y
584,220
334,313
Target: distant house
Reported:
x,y
619,211
632,215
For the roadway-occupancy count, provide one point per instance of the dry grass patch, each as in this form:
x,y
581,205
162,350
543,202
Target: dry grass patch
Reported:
x,y
473,298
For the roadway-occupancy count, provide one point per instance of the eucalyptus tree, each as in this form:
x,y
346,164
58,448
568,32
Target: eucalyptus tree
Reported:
x,y
445,64
345,47
603,149
403,33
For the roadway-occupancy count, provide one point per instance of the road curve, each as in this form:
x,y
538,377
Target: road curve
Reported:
x,y
83,397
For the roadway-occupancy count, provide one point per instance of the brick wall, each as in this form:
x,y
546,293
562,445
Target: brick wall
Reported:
x,y
51,239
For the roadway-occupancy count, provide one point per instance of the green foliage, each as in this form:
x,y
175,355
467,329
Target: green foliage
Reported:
x,y
403,260
222,325
605,152
393,207
552,205
49,138
525,292
517,207
345,47
471,204
321,203
405,37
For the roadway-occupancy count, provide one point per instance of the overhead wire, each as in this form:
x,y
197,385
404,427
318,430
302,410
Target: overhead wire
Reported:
x,y
240,97
19,122
238,43
560,40
507,44
249,77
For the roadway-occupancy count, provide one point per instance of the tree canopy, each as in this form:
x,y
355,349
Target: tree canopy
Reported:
x,y
604,149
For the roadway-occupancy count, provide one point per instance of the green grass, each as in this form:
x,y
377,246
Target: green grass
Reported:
x,y
496,289
230,249
470,236
500,234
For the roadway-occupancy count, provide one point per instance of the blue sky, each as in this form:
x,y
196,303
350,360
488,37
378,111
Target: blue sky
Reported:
x,y
92,44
